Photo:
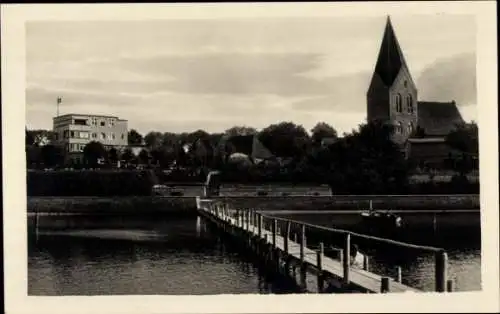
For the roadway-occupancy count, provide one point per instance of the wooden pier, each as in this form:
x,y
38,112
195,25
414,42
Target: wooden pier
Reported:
x,y
270,239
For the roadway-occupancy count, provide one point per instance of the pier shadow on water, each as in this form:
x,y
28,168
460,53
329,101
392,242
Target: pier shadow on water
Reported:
x,y
99,255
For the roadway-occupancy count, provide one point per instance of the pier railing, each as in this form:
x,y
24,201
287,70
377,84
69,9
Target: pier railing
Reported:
x,y
294,232
293,229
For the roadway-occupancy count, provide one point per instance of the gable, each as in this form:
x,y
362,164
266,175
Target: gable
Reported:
x,y
438,118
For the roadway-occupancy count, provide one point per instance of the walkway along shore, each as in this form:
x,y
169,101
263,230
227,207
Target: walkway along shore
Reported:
x,y
280,254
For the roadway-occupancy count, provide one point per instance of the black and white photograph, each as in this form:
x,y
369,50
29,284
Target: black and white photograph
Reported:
x,y
237,150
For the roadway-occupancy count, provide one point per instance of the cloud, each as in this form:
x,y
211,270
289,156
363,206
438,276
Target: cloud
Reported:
x,y
233,73
450,79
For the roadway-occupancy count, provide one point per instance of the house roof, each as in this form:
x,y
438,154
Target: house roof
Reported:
x,y
438,118
248,145
390,58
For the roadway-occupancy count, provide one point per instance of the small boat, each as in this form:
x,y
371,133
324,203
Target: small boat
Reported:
x,y
382,220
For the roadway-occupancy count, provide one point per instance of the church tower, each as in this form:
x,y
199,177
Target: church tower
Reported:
x,y
392,95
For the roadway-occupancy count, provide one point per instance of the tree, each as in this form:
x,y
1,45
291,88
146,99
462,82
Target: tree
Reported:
x,y
39,137
113,155
51,155
94,151
285,139
127,155
134,137
464,138
29,138
322,130
153,139
240,130
144,156
196,135
367,161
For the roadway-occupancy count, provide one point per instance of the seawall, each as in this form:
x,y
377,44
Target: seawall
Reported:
x,y
346,202
133,205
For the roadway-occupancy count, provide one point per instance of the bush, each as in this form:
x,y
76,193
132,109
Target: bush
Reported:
x,y
90,183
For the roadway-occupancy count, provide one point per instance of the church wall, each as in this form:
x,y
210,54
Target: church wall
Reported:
x,y
403,86
377,100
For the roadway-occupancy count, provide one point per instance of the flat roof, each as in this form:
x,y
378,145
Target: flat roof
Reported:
x,y
427,140
87,114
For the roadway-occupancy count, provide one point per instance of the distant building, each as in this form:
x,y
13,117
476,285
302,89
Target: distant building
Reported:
x,y
74,131
244,144
393,97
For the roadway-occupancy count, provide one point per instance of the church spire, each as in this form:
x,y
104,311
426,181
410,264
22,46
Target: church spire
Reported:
x,y
390,57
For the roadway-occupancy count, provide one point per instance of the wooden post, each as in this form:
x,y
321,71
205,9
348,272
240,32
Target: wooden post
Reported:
x,y
449,285
275,230
319,262
366,263
441,274
399,276
260,221
385,285
302,242
347,258
247,220
287,235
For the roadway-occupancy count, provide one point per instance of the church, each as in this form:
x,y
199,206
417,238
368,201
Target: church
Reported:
x,y
420,127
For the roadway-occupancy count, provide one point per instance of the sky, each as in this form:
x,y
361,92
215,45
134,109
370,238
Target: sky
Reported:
x,y
211,74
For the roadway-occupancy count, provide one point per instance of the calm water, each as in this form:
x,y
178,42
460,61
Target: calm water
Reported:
x,y
155,256
462,241
167,255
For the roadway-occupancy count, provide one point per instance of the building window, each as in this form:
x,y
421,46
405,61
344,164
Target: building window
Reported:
x,y
103,136
66,133
406,84
399,127
409,103
103,123
80,121
112,136
398,103
72,134
410,127
111,122
123,136
94,121
94,135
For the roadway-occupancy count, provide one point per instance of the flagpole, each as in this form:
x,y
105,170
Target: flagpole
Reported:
x,y
58,103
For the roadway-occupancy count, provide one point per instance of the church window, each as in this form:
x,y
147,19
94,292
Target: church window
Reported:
x,y
398,103
406,84
409,103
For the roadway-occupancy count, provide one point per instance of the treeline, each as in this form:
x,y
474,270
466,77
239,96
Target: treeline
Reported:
x,y
364,161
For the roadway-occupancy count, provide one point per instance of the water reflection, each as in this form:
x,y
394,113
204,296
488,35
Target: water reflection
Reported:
x,y
183,258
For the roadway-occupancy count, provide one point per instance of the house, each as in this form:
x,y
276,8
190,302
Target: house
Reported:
x,y
244,144
73,131
392,97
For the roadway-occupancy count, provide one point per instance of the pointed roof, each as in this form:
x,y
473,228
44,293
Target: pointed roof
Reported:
x,y
248,145
390,58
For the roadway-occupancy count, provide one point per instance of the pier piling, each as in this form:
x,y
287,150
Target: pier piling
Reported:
x,y
441,269
347,258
